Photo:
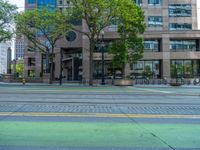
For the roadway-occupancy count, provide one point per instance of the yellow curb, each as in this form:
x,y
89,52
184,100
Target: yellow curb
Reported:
x,y
39,114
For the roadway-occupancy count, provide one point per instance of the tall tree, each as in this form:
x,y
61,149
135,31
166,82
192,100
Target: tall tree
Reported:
x,y
7,14
99,14
43,28
130,46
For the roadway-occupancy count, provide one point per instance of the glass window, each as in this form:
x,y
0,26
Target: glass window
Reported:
x,y
31,1
183,45
45,63
150,69
139,2
180,10
185,68
31,73
155,2
105,45
178,26
31,61
47,3
151,45
155,21
97,67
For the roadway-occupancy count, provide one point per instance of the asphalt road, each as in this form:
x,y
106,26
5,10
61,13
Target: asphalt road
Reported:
x,y
99,118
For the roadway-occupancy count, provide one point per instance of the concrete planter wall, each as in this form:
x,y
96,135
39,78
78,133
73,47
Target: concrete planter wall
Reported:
x,y
46,78
123,82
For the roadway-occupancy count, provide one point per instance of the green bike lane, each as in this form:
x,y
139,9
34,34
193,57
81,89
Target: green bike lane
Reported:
x,y
94,135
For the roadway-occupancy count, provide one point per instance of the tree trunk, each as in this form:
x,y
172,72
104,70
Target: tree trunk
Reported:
x,y
92,43
123,71
51,69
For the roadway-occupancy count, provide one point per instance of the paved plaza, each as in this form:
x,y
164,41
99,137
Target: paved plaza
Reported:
x,y
79,117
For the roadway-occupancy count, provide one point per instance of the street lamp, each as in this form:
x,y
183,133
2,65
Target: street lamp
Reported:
x,y
61,66
102,58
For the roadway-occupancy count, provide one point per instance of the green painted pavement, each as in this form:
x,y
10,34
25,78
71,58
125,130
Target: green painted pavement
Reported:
x,y
125,135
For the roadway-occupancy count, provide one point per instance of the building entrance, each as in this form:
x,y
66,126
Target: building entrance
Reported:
x,y
72,65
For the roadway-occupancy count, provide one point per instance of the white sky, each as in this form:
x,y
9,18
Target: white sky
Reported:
x,y
19,3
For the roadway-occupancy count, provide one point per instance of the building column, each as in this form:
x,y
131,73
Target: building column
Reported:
x,y
85,59
166,73
38,65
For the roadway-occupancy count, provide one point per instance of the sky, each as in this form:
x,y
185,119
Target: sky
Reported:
x,y
19,3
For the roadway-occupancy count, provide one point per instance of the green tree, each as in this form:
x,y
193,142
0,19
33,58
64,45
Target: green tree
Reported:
x,y
99,14
7,14
43,28
20,69
129,48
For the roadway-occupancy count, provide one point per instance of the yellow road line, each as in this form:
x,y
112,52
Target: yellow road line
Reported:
x,y
39,114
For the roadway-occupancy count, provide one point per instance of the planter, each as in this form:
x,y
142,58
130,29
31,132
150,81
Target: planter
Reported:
x,y
46,77
123,82
175,84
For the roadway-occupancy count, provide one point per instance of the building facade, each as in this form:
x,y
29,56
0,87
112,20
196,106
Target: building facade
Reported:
x,y
19,48
171,44
5,57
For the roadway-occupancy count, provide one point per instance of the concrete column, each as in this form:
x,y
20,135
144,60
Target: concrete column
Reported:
x,y
57,62
166,57
38,65
25,66
85,61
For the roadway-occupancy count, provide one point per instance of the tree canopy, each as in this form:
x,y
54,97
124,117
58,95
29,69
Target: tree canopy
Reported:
x,y
99,14
7,14
42,28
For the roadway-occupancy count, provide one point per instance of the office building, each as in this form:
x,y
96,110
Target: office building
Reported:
x,y
5,56
19,48
171,44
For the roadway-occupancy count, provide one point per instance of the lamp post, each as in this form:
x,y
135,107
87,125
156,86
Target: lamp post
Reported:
x,y
102,58
61,66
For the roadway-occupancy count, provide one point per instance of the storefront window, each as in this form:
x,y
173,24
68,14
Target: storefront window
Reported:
x,y
185,68
97,69
150,69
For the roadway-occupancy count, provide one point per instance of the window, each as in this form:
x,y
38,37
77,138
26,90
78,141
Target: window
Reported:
x,y
114,25
155,2
180,10
151,69
178,26
60,2
51,4
31,73
31,1
151,45
185,68
31,61
45,63
97,67
155,21
183,45
105,45
139,2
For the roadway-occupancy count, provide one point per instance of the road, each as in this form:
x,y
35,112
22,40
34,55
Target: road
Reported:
x,y
99,118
